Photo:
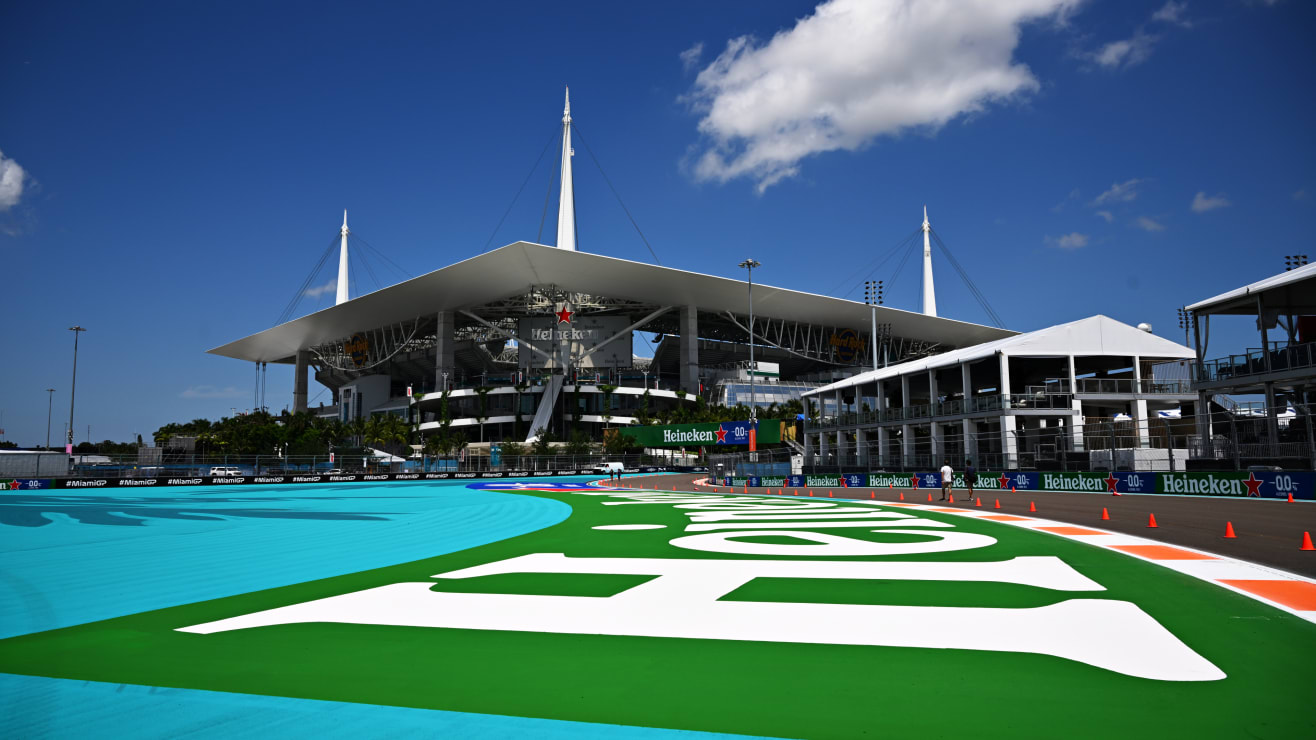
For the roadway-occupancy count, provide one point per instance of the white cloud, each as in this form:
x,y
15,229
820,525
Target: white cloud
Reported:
x,y
690,57
1073,240
11,182
1147,224
1125,53
855,70
1106,215
1173,13
210,391
320,290
1120,192
1202,203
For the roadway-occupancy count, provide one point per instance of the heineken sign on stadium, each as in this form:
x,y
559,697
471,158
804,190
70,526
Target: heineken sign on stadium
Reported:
x,y
702,435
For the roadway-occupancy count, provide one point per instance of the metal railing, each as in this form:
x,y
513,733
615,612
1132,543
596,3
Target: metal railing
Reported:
x,y
1258,362
1236,439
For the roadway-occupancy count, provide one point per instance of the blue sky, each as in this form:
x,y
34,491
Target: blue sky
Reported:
x,y
171,172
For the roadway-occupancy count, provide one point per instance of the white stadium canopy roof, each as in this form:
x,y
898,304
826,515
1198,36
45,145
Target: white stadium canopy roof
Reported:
x,y
1293,291
1096,335
512,270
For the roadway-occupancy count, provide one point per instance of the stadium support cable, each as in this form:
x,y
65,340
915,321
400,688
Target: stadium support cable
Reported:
x,y
615,194
552,177
977,294
887,258
306,284
524,182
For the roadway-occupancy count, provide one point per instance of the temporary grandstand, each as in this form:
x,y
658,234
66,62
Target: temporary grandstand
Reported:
x,y
1047,399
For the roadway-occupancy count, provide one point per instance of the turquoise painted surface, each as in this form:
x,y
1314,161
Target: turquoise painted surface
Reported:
x,y
59,708
70,557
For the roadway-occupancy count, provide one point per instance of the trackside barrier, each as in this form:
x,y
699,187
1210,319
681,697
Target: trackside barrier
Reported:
x,y
1231,484
13,485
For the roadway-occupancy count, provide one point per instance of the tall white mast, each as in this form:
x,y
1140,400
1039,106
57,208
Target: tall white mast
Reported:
x,y
929,293
342,265
566,201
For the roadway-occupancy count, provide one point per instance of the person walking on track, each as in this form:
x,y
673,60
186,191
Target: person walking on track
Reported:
x,y
947,478
970,476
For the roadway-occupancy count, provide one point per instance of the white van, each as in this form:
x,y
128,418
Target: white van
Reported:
x,y
609,467
225,471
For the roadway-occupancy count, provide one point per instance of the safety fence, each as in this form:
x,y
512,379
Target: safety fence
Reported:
x,y
186,465
1237,438
176,481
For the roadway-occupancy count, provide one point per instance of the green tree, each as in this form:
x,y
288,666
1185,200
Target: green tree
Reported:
x,y
543,442
512,453
579,444
619,442
606,411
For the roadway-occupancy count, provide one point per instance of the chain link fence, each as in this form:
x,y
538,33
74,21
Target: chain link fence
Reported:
x,y
190,465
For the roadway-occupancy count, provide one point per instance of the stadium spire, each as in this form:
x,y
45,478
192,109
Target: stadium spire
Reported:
x,y
566,202
929,293
342,265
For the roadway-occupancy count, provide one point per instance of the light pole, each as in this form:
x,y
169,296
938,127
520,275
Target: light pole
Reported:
x,y
749,266
73,392
50,405
873,297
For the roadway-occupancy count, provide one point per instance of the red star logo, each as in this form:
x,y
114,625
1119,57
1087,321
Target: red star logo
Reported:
x,y
913,481
1004,481
1111,482
1253,485
13,485
721,435
564,316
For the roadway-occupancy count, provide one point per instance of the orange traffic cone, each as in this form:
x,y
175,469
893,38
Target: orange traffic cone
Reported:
x,y
1229,531
929,498
872,494
810,492
829,493
1105,517
952,498
1151,521
890,485
1290,498
902,495
998,503
1032,507
977,502
1306,541
1012,489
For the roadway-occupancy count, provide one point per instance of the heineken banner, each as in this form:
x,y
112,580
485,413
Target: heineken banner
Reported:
x,y
1254,484
703,435
1278,484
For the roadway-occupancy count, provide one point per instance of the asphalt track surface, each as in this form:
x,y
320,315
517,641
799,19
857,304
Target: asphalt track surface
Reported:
x,y
1268,531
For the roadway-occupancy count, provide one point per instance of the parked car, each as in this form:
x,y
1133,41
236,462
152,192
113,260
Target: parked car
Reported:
x,y
225,471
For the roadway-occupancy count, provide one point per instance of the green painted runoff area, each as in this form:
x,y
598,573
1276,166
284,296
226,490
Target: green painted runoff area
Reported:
x,y
759,688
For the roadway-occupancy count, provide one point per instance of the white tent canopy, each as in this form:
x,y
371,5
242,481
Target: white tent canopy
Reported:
x,y
1294,291
1096,335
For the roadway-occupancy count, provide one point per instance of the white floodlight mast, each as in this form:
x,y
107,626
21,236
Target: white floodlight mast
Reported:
x,y
342,265
566,202
929,293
